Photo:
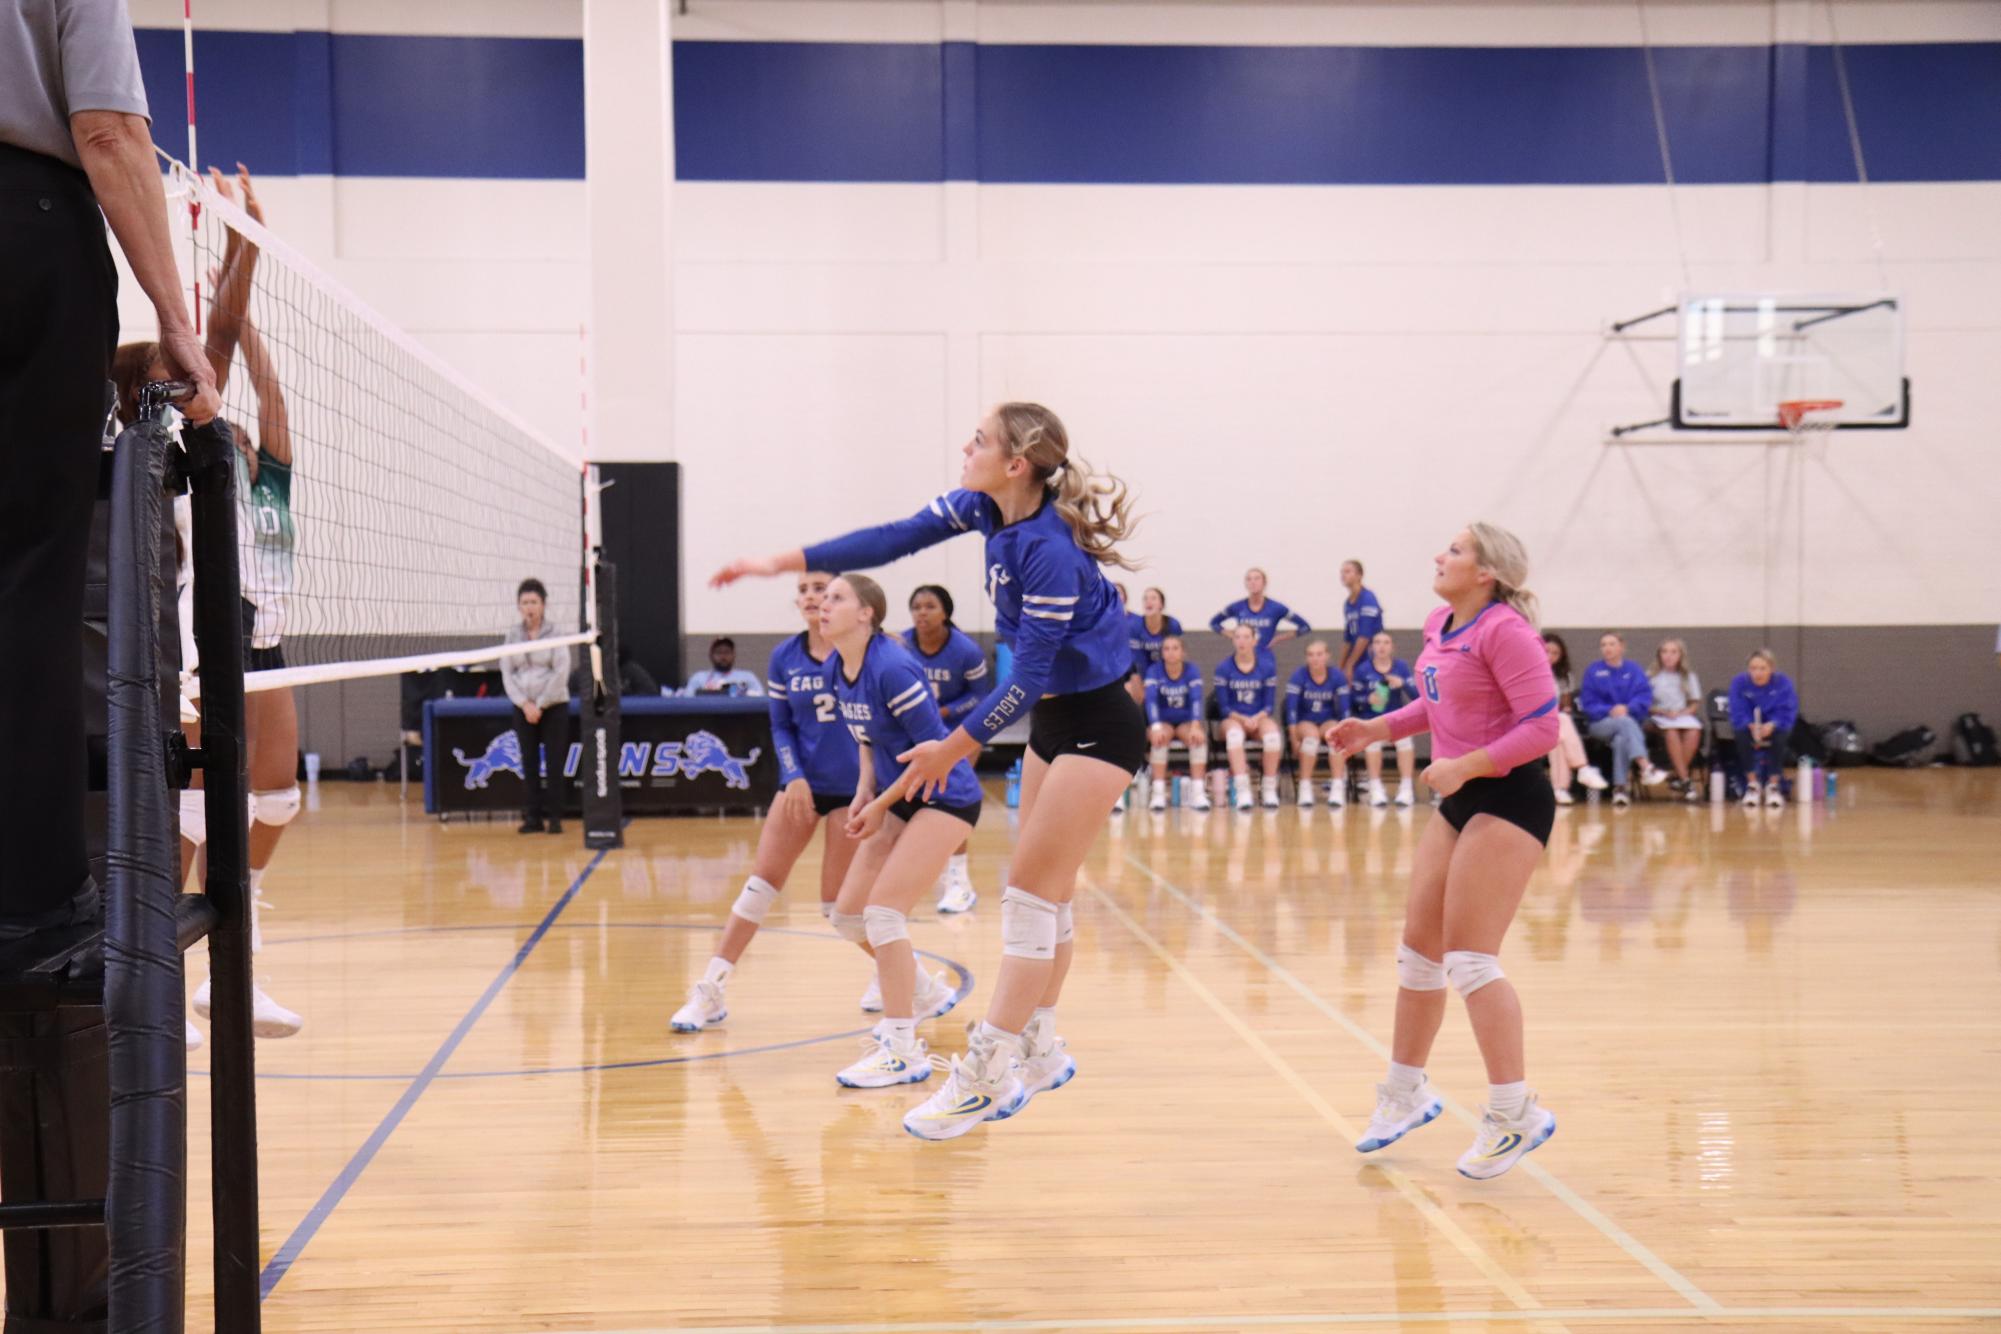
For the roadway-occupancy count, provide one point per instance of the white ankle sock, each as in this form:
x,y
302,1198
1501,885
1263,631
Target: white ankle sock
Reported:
x,y
1405,1078
718,971
957,866
900,1032
1041,1030
1008,1042
1508,1100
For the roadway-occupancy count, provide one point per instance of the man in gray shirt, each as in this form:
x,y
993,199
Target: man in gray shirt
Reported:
x,y
74,140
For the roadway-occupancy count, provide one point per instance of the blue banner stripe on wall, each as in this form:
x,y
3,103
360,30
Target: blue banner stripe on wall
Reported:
x,y
804,111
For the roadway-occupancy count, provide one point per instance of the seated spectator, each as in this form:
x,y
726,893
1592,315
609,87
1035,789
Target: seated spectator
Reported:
x,y
1380,684
1677,712
1568,758
1616,698
1264,615
1247,684
1361,615
1763,708
723,676
1316,700
1147,630
1174,712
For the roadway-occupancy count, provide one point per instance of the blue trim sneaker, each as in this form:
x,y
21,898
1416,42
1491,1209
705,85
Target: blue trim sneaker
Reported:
x,y
1397,1114
883,1064
935,996
1046,1063
1499,1143
704,1009
983,1085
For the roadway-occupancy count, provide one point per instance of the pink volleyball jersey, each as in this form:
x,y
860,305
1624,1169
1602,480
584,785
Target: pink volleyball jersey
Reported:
x,y
1486,684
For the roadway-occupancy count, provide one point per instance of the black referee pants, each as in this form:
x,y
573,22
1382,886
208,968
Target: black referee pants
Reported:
x,y
551,733
58,327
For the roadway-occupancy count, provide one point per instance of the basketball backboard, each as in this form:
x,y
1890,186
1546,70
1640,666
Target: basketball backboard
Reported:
x,y
1740,355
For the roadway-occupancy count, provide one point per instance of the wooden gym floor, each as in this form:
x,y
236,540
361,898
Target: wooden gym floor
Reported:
x,y
1771,1041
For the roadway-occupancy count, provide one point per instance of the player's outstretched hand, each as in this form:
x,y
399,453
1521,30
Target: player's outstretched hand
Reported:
x,y
1351,734
744,567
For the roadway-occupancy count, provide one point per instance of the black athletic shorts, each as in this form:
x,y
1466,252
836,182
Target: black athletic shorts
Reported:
x,y
905,809
258,659
1104,724
826,803
1522,797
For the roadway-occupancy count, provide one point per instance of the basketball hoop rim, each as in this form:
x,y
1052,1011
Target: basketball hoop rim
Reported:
x,y
1796,414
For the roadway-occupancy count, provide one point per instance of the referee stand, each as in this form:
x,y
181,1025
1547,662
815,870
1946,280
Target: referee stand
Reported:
x,y
93,1060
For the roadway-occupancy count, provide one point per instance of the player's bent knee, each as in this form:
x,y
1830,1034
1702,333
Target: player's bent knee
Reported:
x,y
276,808
1309,746
885,925
1198,752
1158,755
755,901
1417,973
1028,925
850,926
1469,970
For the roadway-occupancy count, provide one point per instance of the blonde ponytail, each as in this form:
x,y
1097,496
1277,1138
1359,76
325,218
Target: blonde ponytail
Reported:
x,y
1502,554
1096,506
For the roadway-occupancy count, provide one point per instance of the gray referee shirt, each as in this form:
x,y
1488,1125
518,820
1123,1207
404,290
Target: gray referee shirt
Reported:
x,y
58,57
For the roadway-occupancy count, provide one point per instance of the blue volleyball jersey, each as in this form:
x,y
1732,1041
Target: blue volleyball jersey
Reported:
x,y
1370,695
1248,693
889,708
1053,606
1174,700
1362,618
1145,643
1311,701
955,672
806,728
1265,620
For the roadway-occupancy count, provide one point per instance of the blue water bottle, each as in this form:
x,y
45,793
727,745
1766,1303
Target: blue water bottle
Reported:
x,y
1833,787
1014,785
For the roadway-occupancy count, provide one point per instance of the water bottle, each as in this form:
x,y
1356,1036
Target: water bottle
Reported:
x,y
1717,786
1833,787
1803,780
1014,785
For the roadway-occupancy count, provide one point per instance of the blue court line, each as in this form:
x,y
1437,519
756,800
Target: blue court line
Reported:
x,y
316,1217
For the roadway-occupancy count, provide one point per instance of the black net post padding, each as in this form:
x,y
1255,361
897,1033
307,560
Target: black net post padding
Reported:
x,y
219,636
597,725
146,1199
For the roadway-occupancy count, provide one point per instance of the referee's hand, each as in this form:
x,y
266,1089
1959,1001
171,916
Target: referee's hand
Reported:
x,y
185,356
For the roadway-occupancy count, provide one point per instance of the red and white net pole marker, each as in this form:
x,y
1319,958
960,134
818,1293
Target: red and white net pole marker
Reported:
x,y
194,163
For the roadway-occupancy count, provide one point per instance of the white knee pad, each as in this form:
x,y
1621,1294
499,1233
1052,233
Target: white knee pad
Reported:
x,y
885,925
1066,925
1198,752
1271,740
276,808
1158,755
1406,746
1309,747
1028,925
1417,973
756,900
1469,971
850,926
1233,737
194,816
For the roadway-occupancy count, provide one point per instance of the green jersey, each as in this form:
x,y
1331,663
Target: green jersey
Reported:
x,y
266,538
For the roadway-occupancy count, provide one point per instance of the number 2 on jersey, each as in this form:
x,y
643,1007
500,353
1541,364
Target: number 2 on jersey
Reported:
x,y
823,708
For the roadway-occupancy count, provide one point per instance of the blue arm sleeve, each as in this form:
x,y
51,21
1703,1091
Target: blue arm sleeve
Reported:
x,y
1740,702
1368,621
1268,692
1035,647
1292,701
1152,701
1216,621
1299,622
970,666
921,720
865,548
783,739
1786,706
1195,693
